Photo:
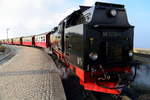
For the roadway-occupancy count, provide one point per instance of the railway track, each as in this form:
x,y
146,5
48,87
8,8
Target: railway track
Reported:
x,y
143,58
8,54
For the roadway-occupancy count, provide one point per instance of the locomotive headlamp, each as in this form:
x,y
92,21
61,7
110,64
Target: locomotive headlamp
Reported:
x,y
93,56
130,53
113,12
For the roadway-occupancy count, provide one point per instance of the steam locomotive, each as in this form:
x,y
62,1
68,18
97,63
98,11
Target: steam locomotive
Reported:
x,y
95,42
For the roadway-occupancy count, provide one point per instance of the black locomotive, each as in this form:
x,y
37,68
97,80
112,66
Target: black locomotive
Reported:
x,y
97,43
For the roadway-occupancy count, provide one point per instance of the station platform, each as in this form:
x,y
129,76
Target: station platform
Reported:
x,y
30,75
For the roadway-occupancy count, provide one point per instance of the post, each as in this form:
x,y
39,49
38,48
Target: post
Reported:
x,y
7,32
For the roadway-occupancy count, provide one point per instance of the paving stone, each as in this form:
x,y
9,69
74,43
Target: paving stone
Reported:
x,y
30,75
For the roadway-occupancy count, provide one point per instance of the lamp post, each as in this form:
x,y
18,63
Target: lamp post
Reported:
x,y
7,32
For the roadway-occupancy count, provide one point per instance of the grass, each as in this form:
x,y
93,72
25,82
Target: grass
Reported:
x,y
2,48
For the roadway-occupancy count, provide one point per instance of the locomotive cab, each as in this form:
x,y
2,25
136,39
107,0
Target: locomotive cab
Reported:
x,y
98,44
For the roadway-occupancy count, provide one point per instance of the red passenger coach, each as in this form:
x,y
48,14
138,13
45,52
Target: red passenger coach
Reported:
x,y
42,40
1,41
5,41
17,41
28,41
9,41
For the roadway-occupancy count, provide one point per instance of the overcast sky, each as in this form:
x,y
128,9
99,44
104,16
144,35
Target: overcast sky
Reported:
x,y
27,17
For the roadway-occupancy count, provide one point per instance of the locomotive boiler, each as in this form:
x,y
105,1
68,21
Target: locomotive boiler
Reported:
x,y
97,44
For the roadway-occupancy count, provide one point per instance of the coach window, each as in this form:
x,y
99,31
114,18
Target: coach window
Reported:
x,y
35,38
38,39
43,38
75,19
55,29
